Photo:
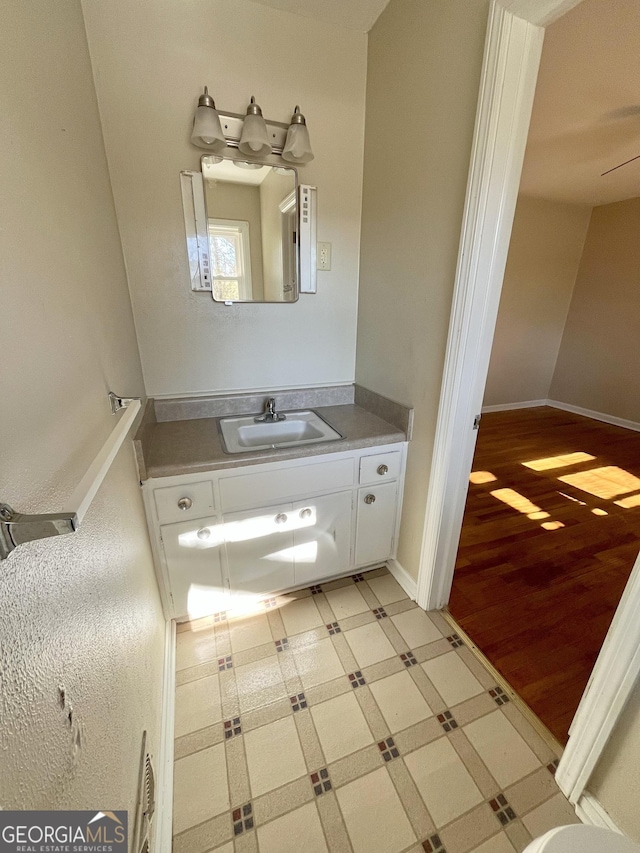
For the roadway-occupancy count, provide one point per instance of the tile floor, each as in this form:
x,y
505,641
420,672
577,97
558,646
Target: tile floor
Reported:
x,y
344,718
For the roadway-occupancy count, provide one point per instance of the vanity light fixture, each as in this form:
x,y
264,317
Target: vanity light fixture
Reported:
x,y
297,148
207,130
255,138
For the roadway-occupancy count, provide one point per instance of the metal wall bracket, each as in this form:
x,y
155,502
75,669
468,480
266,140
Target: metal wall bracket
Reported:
x,y
118,403
16,528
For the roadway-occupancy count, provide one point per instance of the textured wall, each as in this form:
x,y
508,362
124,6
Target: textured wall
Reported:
x,y
151,60
597,364
423,76
83,610
544,253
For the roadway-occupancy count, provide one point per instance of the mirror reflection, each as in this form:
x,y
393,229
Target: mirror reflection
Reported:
x,y
252,226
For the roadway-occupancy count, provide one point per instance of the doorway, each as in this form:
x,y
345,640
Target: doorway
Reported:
x,y
512,56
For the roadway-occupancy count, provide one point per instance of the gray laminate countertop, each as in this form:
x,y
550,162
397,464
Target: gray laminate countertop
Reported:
x,y
194,446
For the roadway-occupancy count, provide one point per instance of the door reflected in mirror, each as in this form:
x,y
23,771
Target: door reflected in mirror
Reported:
x,y
252,228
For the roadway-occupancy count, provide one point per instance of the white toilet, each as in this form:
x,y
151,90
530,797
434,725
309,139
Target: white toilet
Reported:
x,y
582,839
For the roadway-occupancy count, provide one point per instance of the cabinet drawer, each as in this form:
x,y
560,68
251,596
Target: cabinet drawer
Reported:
x,y
181,503
269,487
380,467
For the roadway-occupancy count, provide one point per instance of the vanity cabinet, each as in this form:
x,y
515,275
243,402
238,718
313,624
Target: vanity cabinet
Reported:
x,y
266,528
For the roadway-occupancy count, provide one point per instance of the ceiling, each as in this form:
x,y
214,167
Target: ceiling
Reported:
x,y
355,14
586,114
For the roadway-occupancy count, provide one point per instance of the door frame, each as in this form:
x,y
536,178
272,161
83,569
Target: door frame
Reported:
x,y
512,55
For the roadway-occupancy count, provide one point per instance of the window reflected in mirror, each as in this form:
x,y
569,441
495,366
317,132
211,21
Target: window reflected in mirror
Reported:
x,y
252,230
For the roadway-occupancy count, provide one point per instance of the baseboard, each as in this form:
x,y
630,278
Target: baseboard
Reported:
x,y
591,811
163,838
408,583
596,416
508,407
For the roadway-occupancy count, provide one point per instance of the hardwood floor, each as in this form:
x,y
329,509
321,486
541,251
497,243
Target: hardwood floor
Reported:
x,y
538,602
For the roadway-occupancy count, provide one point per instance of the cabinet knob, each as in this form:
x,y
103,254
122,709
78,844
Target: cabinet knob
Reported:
x,y
370,499
185,504
383,469
305,513
203,533
280,518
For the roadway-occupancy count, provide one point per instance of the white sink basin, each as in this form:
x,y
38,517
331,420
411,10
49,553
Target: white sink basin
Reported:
x,y
243,434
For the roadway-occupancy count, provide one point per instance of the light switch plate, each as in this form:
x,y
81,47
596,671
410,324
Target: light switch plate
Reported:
x,y
324,256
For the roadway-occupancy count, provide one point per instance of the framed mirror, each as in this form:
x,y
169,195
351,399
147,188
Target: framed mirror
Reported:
x,y
252,228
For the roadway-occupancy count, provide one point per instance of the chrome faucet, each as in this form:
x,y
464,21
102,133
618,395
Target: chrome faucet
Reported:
x,y
270,415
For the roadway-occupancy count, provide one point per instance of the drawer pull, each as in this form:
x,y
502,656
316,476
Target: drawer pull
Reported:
x,y
203,533
305,513
370,499
185,504
280,518
383,469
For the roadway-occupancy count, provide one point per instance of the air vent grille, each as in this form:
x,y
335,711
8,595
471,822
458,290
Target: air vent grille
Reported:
x,y
146,800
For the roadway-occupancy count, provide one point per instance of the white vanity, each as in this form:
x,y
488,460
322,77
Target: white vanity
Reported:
x,y
264,527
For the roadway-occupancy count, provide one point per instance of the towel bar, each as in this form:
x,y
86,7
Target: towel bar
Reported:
x,y
17,528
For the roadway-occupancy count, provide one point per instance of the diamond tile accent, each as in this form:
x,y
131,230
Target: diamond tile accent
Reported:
x,y
242,818
270,603
224,663
358,578
316,589
502,809
553,766
298,702
282,645
232,728
379,612
334,628
408,658
499,696
388,749
357,679
447,721
433,845
455,641
321,782
220,617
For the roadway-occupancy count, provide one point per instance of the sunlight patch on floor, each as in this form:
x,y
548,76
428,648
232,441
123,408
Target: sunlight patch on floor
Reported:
x,y
558,461
607,482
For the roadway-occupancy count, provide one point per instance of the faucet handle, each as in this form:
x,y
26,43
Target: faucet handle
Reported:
x,y
271,405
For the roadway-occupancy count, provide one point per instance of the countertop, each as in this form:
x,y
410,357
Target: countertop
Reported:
x,y
194,446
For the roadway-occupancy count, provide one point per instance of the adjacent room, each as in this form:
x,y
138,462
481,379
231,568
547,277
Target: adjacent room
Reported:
x,y
552,523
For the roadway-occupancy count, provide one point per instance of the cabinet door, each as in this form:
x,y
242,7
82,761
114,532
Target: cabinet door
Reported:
x,y
375,523
322,541
260,552
192,554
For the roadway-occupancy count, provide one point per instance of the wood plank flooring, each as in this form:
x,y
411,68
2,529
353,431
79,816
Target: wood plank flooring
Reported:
x,y
539,602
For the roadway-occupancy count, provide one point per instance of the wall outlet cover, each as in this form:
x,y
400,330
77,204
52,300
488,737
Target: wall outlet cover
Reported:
x,y
324,256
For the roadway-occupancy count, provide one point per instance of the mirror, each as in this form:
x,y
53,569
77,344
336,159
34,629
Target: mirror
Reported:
x,y
252,230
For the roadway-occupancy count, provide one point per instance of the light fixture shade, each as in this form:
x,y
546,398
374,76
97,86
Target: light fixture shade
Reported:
x,y
207,130
255,138
297,148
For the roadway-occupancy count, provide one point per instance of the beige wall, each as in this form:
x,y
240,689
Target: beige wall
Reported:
x,y
616,779
82,610
597,364
544,254
273,190
424,66
150,63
